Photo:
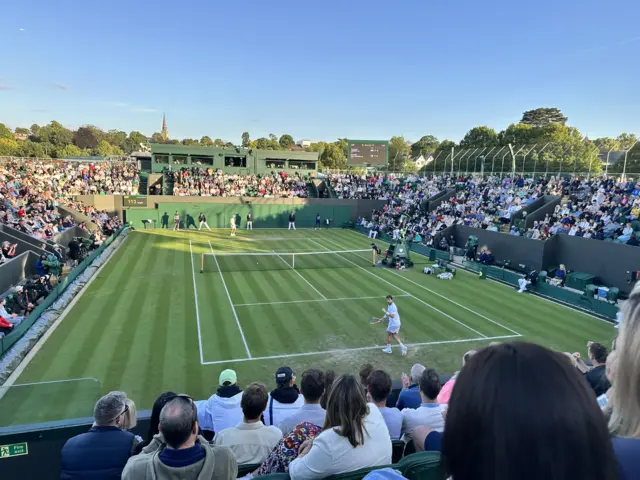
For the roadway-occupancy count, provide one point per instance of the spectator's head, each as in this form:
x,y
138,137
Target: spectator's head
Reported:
x,y
346,409
109,410
179,422
625,415
597,353
158,405
329,377
285,377
416,373
467,356
429,385
254,401
365,371
312,385
227,378
379,386
508,402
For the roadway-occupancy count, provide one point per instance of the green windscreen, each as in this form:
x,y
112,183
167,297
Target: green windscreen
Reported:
x,y
285,261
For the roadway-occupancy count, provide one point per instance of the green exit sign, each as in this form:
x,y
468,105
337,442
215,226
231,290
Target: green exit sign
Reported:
x,y
14,450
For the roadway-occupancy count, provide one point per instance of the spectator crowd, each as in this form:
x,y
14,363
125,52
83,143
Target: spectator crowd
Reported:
x,y
208,182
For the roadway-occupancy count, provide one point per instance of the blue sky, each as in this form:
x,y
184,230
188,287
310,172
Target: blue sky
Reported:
x,y
319,70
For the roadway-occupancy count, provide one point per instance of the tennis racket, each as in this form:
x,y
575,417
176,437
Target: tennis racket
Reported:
x,y
374,320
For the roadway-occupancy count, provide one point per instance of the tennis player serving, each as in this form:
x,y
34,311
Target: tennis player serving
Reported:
x,y
393,328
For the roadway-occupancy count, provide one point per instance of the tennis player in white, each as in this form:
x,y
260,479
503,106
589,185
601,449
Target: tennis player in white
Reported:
x,y
391,314
232,222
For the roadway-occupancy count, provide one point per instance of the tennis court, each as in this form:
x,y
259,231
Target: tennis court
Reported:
x,y
150,321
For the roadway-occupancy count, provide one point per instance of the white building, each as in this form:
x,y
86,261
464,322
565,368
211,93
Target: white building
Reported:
x,y
423,161
304,143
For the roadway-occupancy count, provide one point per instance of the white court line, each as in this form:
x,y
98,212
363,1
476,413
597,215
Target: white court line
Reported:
x,y
442,296
407,293
307,301
360,349
233,309
195,298
298,273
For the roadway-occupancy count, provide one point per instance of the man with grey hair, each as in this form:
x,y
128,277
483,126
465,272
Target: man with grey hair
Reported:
x,y
178,452
103,451
410,395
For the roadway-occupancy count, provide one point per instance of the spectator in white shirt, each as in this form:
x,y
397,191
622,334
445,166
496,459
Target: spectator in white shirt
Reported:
x,y
285,399
430,413
222,410
12,318
355,436
312,387
379,388
251,440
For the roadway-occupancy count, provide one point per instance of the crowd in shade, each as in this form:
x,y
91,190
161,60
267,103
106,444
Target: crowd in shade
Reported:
x,y
330,424
380,186
602,209
208,182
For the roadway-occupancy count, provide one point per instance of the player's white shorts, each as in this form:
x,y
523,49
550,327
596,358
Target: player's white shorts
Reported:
x,y
393,329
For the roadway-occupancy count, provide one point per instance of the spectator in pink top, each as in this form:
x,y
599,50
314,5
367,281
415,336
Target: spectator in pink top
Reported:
x,y
445,392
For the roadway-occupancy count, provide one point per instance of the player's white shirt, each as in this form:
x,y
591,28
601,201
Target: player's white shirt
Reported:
x,y
233,221
394,322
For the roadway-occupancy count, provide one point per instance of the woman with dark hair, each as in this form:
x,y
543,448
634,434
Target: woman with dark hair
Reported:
x,y
521,411
154,421
354,436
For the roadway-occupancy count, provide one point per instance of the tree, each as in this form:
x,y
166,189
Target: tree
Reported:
x,y
22,131
606,144
442,156
518,134
85,138
333,156
206,141
8,146
480,137
32,149
286,141
69,151
245,139
189,141
116,138
398,153
626,140
34,129
273,142
262,144
55,134
5,132
218,142
543,116
133,141
157,138
425,146
104,149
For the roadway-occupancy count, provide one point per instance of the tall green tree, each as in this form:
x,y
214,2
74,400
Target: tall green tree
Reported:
x,y
34,129
480,137
134,141
206,141
69,151
333,156
22,131
5,132
32,149
55,134
9,147
626,140
245,139
218,142
543,116
190,141
286,141
399,151
117,138
606,144
156,137
427,145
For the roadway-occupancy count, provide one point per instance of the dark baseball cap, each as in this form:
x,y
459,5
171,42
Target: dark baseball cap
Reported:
x,y
284,375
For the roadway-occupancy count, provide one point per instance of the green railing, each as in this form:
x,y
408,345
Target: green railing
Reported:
x,y
9,340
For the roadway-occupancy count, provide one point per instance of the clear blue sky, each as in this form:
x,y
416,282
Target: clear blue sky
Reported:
x,y
321,69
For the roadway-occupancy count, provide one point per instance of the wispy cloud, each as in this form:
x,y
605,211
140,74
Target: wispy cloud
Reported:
x,y
605,46
39,110
21,29
5,87
59,86
131,108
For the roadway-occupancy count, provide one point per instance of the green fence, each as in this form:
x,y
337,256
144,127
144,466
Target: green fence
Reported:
x,y
218,215
9,340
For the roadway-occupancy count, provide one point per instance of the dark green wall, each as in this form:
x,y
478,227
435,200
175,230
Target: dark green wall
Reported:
x,y
264,216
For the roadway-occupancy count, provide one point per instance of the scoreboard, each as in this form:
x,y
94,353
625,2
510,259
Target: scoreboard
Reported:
x,y
368,152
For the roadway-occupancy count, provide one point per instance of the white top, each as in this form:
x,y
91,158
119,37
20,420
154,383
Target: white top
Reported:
x,y
394,322
250,442
281,410
220,413
332,453
233,221
428,414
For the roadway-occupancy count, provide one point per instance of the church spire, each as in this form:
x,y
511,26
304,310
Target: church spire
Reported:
x,y
165,132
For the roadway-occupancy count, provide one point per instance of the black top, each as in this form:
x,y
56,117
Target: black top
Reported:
x,y
292,217
597,378
248,217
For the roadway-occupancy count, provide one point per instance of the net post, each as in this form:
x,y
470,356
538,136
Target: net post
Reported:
x,y
293,261
201,262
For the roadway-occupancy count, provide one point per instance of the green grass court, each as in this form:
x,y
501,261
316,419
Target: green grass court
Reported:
x,y
151,322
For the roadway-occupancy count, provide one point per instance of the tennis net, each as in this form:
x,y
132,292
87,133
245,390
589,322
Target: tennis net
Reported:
x,y
246,262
